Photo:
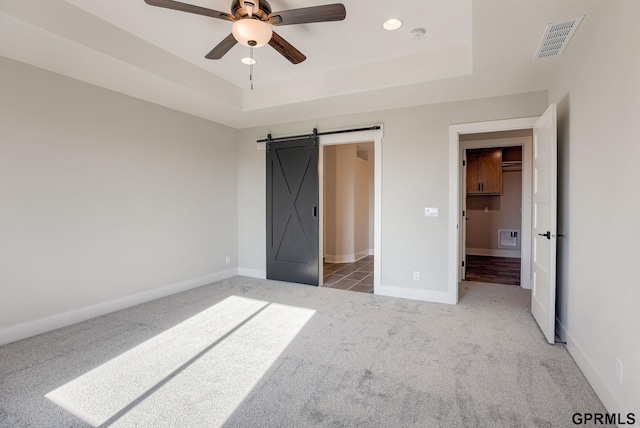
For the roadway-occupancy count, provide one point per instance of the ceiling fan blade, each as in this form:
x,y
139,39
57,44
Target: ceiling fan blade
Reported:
x,y
190,8
286,49
222,48
306,15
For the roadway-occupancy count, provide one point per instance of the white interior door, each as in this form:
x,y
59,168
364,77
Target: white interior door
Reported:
x,y
463,203
544,234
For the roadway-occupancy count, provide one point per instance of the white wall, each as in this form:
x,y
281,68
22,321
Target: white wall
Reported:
x,y
346,209
105,197
502,212
329,210
361,208
372,190
483,226
414,175
343,201
598,96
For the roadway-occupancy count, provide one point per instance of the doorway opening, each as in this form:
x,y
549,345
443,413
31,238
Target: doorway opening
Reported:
x,y
348,216
457,179
492,205
358,141
539,210
295,171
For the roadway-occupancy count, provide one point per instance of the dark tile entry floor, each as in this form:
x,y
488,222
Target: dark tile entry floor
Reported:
x,y
357,276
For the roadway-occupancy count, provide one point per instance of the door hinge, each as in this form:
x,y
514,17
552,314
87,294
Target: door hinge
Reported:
x,y
464,162
463,263
463,213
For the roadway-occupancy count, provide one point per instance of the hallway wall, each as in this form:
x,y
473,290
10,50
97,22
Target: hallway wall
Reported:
x,y
598,97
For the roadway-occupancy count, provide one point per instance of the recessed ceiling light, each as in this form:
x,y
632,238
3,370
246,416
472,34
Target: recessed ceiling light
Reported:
x,y
248,61
392,24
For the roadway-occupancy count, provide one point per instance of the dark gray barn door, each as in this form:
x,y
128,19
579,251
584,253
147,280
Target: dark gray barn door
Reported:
x,y
292,211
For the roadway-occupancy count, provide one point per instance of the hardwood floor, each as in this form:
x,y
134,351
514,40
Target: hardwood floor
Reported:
x,y
496,270
357,276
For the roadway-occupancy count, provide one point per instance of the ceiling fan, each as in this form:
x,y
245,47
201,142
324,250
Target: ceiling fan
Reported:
x,y
252,20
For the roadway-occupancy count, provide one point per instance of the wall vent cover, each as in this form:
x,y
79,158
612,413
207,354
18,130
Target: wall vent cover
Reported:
x,y
556,37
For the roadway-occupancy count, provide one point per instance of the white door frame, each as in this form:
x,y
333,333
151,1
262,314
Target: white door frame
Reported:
x,y
374,136
456,194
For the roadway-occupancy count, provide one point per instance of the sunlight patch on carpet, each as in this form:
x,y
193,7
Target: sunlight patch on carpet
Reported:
x,y
194,374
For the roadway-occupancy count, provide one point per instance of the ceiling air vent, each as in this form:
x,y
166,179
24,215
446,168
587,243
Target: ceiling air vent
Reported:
x,y
556,37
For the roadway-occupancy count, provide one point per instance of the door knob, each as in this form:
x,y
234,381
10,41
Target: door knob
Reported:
x,y
548,234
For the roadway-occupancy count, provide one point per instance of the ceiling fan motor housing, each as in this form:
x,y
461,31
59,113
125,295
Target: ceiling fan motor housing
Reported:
x,y
262,13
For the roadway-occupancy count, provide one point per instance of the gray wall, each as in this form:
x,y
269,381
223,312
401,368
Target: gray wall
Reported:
x,y
415,174
598,96
105,196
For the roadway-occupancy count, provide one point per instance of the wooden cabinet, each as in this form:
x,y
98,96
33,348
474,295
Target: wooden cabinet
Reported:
x,y
484,172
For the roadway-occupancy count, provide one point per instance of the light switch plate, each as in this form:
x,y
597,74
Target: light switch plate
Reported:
x,y
431,212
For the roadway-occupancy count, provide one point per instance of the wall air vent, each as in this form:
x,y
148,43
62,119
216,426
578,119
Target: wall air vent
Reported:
x,y
556,37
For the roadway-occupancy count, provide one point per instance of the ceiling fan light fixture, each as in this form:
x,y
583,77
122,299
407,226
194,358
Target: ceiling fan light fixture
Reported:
x,y
248,61
251,32
392,24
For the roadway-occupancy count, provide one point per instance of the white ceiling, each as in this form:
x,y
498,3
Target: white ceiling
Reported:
x,y
352,66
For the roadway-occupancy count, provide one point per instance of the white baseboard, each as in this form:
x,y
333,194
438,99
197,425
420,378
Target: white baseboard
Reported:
x,y
603,390
53,322
414,294
347,258
253,273
493,253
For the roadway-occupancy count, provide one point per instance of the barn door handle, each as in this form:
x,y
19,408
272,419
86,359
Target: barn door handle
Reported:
x,y
548,234
314,212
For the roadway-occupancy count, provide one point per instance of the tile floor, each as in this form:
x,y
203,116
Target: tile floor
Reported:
x,y
357,276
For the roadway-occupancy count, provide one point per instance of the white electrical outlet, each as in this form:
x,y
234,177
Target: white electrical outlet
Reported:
x,y
431,212
619,368
227,259
416,275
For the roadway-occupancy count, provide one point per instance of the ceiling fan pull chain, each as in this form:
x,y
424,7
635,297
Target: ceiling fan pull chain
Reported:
x,y
251,67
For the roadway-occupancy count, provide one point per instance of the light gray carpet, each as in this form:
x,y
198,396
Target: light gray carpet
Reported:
x,y
272,354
